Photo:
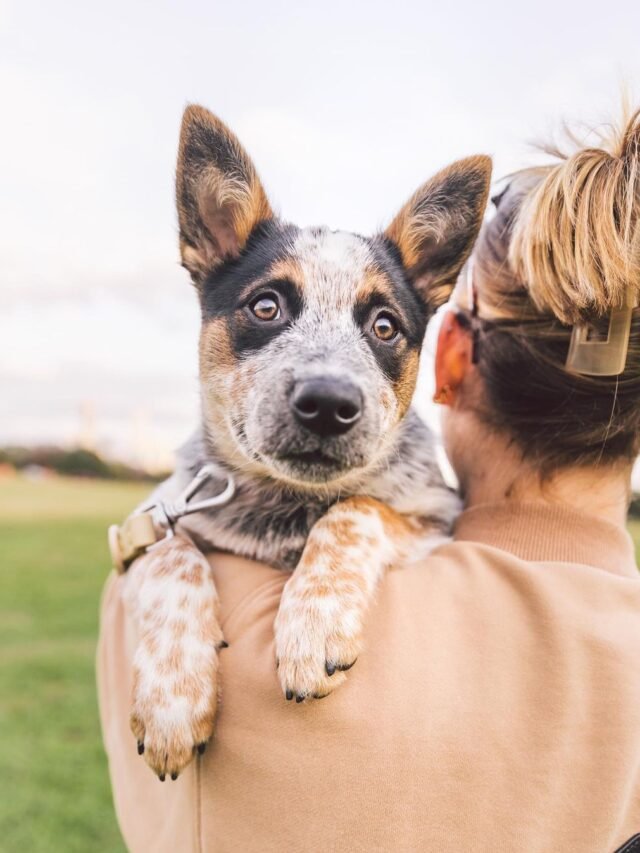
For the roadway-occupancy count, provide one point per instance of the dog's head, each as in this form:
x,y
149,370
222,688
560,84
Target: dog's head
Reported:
x,y
311,338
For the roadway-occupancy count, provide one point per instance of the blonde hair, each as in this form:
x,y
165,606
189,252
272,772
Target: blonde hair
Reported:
x,y
563,248
576,239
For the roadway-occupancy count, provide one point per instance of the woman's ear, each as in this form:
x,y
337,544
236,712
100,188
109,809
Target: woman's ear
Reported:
x,y
454,358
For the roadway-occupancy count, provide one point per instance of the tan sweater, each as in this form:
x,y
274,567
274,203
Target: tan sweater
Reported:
x,y
496,708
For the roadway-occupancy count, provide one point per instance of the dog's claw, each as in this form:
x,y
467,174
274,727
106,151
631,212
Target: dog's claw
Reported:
x,y
330,668
201,748
289,695
343,667
223,645
174,776
140,747
300,698
162,777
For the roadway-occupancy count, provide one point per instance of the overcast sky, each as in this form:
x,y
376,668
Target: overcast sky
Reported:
x,y
345,106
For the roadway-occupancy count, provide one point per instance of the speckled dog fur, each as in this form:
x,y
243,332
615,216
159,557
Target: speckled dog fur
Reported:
x,y
284,307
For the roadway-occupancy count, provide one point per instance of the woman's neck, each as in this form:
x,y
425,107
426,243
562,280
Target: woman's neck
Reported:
x,y
495,472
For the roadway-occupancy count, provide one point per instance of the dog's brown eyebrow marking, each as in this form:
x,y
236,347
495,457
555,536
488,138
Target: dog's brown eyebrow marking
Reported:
x,y
284,271
374,280
287,269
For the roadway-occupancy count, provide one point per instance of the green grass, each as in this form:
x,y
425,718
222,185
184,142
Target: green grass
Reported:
x,y
634,528
54,788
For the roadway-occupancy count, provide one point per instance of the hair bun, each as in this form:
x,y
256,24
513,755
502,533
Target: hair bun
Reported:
x,y
576,238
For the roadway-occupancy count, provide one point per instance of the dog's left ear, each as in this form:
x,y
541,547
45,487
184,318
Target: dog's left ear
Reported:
x,y
219,196
436,229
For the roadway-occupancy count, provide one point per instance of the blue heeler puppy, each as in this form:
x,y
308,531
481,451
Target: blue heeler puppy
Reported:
x,y
309,352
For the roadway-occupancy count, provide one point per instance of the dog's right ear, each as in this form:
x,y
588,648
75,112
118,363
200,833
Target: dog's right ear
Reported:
x,y
218,193
436,229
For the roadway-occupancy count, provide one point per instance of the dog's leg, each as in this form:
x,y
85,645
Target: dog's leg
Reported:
x,y
319,623
172,598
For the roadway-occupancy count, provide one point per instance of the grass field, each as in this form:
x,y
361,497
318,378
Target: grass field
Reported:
x,y
634,527
54,789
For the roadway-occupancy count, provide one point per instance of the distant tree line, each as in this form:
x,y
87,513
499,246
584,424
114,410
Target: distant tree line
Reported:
x,y
79,462
76,462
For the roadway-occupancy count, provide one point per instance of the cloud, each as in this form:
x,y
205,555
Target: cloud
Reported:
x,y
345,111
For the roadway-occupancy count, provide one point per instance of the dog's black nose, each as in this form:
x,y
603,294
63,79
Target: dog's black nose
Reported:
x,y
326,405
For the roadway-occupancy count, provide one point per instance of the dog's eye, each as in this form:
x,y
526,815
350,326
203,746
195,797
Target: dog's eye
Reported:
x,y
385,327
266,308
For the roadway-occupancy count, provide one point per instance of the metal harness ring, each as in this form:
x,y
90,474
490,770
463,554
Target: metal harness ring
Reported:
x,y
154,521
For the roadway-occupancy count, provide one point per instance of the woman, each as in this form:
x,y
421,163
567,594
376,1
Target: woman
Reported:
x,y
497,707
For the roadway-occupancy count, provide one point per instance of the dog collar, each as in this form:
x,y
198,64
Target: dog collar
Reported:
x,y
155,520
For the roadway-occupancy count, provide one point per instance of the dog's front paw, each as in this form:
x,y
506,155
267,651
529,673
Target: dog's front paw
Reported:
x,y
317,636
174,706
175,666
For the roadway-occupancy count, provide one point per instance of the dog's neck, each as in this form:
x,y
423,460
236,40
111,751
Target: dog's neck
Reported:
x,y
269,519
